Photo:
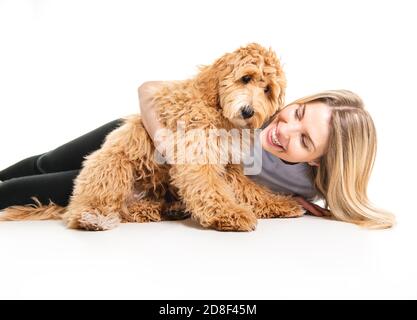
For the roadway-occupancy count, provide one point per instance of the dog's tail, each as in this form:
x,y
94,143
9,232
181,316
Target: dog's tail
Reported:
x,y
36,211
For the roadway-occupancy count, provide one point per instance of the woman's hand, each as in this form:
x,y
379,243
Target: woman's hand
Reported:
x,y
148,113
312,208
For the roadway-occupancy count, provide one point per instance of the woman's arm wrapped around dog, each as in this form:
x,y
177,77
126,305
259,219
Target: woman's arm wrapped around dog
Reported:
x,y
147,107
148,113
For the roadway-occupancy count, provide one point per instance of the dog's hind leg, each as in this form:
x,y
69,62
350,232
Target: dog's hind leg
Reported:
x,y
101,192
106,184
144,210
153,211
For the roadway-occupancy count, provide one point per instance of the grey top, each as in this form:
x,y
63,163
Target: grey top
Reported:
x,y
279,177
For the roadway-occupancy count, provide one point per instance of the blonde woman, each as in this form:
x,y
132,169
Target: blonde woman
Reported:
x,y
319,147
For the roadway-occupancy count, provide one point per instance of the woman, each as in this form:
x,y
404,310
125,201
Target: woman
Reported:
x,y
318,147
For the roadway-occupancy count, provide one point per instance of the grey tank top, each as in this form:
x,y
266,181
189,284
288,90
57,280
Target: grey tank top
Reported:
x,y
279,177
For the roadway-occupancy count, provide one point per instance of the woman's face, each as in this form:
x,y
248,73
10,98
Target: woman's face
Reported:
x,y
299,133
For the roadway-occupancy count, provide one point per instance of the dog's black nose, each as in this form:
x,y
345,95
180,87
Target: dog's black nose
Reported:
x,y
247,112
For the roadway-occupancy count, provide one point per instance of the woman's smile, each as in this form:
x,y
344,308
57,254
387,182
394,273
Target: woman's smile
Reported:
x,y
273,138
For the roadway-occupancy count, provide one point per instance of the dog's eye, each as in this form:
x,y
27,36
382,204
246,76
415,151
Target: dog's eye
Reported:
x,y
246,79
267,89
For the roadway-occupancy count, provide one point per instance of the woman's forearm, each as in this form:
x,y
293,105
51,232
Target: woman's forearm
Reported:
x,y
152,124
147,108
160,135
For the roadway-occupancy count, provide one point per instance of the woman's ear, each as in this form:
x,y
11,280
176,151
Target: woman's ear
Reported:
x,y
314,163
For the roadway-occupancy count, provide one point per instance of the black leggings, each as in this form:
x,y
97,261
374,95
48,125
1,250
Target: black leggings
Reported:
x,y
50,175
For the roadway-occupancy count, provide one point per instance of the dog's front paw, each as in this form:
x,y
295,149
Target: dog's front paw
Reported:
x,y
237,219
280,207
291,209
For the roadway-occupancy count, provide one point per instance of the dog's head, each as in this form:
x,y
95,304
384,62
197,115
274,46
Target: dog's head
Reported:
x,y
248,85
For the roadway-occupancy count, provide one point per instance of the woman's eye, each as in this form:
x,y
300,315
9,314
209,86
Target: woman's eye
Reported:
x,y
297,113
303,143
246,79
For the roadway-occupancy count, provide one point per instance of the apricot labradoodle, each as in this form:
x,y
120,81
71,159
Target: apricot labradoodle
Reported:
x,y
124,182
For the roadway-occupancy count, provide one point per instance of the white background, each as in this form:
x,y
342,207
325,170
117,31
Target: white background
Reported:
x,y
67,67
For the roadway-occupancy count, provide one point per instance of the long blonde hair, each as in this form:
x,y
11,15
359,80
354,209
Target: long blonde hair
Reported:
x,y
344,171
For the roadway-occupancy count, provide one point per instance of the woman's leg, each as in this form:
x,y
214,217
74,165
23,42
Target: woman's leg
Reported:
x,y
26,167
56,187
64,158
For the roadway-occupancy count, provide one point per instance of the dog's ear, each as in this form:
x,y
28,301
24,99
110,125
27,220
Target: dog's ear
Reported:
x,y
280,78
208,80
282,83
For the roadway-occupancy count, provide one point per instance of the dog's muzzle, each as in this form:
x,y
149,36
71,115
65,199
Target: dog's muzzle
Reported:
x,y
247,112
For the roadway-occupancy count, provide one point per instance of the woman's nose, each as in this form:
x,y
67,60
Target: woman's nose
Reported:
x,y
290,128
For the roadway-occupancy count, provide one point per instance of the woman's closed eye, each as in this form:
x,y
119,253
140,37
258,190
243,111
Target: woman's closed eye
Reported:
x,y
303,142
299,114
